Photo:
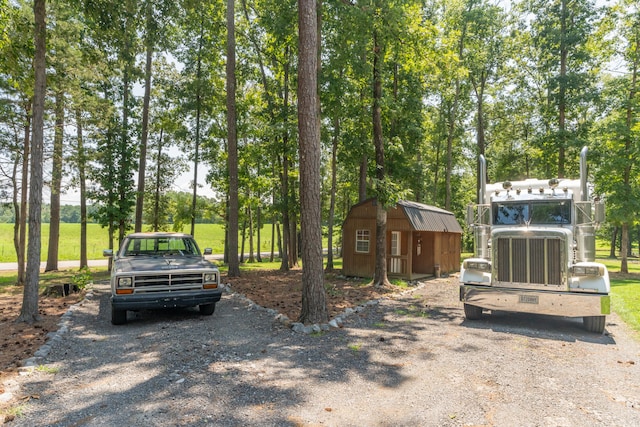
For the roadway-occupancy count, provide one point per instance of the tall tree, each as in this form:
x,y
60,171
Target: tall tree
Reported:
x,y
562,33
150,37
619,132
156,33
29,311
115,31
314,307
232,145
380,271
82,184
16,71
56,183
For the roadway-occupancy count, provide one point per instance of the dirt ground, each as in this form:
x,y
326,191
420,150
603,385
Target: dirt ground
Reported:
x,y
282,291
271,289
18,341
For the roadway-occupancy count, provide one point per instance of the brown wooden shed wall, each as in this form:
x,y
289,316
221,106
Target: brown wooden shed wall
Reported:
x,y
436,248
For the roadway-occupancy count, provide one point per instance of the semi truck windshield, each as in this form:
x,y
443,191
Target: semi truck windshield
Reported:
x,y
531,213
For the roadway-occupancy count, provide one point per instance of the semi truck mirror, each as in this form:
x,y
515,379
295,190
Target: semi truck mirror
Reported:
x,y
600,213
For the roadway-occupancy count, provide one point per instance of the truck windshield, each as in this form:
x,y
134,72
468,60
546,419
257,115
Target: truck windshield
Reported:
x,y
160,246
536,212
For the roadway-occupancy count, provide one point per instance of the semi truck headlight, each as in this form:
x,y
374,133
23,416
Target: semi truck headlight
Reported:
x,y
477,265
584,270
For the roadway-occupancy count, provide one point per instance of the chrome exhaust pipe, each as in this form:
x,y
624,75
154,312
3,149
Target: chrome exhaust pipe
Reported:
x,y
482,174
584,190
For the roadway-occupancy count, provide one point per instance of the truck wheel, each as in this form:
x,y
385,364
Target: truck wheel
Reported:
x,y
472,312
594,323
207,309
118,317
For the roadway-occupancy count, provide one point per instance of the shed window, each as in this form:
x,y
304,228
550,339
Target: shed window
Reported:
x,y
362,241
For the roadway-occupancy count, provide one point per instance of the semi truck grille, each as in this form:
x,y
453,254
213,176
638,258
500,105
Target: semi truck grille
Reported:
x,y
530,260
168,280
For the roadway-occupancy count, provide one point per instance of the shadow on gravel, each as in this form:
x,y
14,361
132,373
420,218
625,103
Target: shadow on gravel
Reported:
x,y
237,367
554,328
240,367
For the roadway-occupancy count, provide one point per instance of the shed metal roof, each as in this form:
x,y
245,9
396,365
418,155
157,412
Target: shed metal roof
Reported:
x,y
429,218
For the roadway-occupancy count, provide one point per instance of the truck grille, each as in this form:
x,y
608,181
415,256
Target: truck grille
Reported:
x,y
168,280
530,260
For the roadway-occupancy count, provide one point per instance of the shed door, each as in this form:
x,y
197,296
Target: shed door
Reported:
x,y
396,263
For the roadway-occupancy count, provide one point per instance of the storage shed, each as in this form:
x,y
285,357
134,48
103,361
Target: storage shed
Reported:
x,y
422,241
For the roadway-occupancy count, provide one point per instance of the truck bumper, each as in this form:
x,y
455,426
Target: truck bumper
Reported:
x,y
164,300
568,304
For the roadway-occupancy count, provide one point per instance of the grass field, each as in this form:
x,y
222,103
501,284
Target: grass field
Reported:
x,y
625,291
207,236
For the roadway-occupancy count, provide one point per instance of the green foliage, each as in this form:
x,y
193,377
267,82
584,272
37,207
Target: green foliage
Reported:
x,y
82,278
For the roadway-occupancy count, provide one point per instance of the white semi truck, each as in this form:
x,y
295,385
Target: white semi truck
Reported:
x,y
534,250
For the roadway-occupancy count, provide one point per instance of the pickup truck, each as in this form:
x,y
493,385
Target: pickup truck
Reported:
x,y
161,270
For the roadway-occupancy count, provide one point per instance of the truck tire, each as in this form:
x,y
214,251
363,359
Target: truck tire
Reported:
x,y
594,323
118,317
472,312
207,309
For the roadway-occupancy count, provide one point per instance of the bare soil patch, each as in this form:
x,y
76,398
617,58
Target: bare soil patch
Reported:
x,y
18,341
282,291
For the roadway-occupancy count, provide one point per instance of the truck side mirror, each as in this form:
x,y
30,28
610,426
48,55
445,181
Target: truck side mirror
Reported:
x,y
599,211
470,215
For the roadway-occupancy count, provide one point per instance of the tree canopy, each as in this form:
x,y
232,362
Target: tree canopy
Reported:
x,y
427,84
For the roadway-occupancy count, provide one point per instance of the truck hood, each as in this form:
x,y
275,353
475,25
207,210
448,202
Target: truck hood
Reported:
x,y
157,264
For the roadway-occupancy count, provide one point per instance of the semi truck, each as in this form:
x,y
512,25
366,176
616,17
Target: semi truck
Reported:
x,y
534,249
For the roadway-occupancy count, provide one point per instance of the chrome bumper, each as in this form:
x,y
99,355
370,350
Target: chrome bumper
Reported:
x,y
569,304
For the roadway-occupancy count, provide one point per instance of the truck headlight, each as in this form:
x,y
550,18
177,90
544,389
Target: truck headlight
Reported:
x,y
210,277
124,282
477,265
586,270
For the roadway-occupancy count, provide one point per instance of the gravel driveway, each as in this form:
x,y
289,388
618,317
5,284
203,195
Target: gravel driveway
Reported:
x,y
408,361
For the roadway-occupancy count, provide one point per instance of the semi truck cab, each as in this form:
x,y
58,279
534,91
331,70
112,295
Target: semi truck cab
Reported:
x,y
534,250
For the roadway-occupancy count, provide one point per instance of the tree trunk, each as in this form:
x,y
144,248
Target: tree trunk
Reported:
x,y
232,144
156,198
624,248
279,240
29,311
142,165
16,205
284,251
251,249
258,234
294,250
332,200
284,265
56,184
21,243
244,234
82,176
614,239
273,243
196,154
124,172
562,102
380,271
314,307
